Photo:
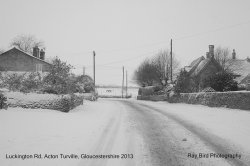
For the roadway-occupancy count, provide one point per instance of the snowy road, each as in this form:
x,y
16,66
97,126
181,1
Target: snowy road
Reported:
x,y
142,132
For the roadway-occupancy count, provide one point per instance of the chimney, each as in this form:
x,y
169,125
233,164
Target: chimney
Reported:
x,y
42,54
234,54
248,59
207,55
36,51
211,51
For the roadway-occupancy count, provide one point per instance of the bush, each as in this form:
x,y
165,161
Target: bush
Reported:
x,y
3,101
184,83
59,77
84,83
31,83
222,81
22,82
13,81
56,102
68,103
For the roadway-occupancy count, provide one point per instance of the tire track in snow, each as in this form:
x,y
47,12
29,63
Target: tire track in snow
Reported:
x,y
159,145
218,144
105,143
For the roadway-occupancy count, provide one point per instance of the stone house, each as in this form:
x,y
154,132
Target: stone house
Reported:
x,y
240,68
16,60
201,68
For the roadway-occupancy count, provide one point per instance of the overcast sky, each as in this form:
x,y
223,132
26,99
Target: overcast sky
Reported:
x,y
124,32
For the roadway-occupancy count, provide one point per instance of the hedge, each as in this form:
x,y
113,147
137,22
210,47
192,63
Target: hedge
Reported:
x,y
64,103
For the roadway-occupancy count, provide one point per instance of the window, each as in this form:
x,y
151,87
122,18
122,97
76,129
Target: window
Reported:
x,y
39,67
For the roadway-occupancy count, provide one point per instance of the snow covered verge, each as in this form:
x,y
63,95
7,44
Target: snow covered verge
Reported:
x,y
235,100
44,101
36,131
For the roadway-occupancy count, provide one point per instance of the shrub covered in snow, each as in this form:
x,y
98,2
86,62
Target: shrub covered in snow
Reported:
x,y
61,81
62,103
87,82
13,81
24,82
31,82
58,78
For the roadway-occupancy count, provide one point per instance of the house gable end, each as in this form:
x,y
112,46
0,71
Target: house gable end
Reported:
x,y
17,60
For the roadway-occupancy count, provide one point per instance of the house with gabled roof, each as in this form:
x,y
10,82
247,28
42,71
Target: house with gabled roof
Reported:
x,y
240,68
201,68
16,60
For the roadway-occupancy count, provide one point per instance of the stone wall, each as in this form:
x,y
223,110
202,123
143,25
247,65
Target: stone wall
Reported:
x,y
153,98
235,100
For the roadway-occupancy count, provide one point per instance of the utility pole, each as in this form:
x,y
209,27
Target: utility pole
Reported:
x,y
122,80
126,84
167,73
171,63
94,67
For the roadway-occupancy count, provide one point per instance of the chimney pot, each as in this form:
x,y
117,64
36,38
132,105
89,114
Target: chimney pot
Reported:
x,y
234,54
36,51
42,54
211,51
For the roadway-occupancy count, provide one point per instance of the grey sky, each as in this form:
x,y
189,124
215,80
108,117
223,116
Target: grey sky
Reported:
x,y
124,32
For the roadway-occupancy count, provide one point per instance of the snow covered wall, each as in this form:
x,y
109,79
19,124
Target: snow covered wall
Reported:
x,y
235,100
62,103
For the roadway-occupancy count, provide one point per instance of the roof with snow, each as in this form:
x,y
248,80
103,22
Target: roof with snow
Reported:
x,y
199,64
200,67
194,64
246,80
240,67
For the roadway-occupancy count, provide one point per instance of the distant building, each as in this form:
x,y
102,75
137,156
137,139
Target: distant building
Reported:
x,y
16,60
240,68
201,68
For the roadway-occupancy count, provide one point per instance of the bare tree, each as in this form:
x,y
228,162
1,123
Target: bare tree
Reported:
x,y
26,43
147,74
221,55
154,70
163,62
